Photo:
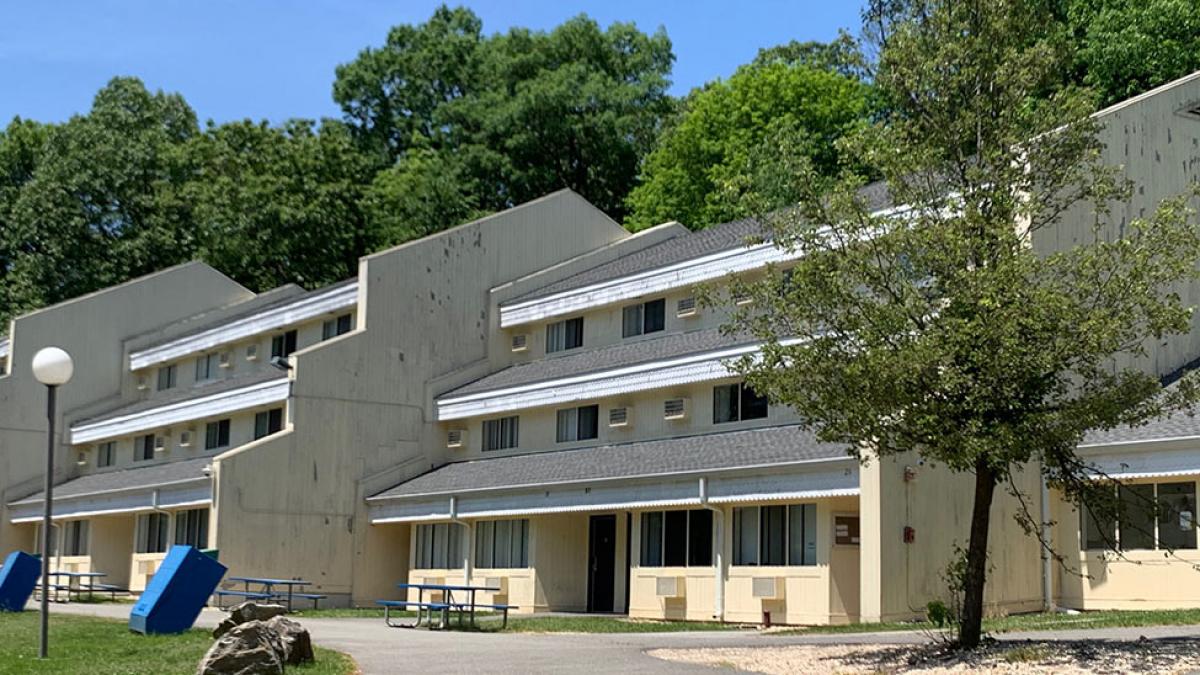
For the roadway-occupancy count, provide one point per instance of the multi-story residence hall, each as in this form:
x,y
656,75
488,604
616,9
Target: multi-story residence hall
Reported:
x,y
535,401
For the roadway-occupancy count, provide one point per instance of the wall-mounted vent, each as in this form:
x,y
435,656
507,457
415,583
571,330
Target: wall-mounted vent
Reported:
x,y
619,417
685,307
520,342
143,382
766,588
455,438
185,439
160,444
675,409
225,360
82,459
252,353
669,587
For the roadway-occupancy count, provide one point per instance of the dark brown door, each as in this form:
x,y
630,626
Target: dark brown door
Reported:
x,y
602,563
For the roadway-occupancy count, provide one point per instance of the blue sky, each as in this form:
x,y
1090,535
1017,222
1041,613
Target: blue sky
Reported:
x,y
275,59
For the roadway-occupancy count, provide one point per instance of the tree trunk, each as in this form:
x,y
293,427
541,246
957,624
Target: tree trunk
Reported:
x,y
970,628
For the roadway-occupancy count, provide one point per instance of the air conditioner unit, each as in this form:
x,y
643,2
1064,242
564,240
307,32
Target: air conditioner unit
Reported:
x,y
685,307
620,417
455,438
499,585
82,460
225,360
520,342
160,444
143,382
767,588
669,587
185,439
675,409
252,353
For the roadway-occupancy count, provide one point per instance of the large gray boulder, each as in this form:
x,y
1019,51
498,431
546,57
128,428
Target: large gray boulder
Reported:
x,y
248,611
252,648
297,643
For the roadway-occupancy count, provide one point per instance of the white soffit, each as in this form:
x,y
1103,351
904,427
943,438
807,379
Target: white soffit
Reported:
x,y
1145,463
308,307
678,275
251,396
641,377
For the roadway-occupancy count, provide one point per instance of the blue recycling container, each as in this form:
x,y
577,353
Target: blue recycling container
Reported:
x,y
17,579
177,592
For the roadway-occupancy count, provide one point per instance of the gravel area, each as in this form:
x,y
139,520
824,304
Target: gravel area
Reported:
x,y
1059,657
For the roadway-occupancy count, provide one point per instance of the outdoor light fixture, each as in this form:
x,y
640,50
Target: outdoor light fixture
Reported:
x,y
281,363
52,367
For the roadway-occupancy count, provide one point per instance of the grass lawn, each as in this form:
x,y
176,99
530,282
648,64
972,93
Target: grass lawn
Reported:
x,y
1038,621
489,621
81,644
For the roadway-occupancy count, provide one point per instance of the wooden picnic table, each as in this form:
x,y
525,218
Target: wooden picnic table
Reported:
x,y
449,590
269,584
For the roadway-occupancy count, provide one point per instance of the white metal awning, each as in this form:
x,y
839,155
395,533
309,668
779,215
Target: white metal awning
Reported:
x,y
1145,463
192,493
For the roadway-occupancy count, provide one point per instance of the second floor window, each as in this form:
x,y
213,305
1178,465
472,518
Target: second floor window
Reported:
x,y
152,531
501,434
104,454
283,345
166,377
564,335
143,448
216,434
737,402
268,422
642,318
578,424
335,327
206,367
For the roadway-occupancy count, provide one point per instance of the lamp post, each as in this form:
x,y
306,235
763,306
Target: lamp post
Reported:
x,y
52,367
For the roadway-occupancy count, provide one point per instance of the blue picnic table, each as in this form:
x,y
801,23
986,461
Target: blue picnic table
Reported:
x,y
425,609
268,591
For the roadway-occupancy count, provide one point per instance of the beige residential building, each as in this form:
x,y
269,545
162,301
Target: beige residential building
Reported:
x,y
535,401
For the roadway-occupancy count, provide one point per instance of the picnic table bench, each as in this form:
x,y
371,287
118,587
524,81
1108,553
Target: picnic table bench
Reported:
x,y
269,591
389,605
462,607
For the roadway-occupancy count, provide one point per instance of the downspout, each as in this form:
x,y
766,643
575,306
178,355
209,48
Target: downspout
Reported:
x,y
469,549
718,552
1047,563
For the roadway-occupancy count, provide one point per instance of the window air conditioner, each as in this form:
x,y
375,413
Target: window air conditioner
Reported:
x,y
675,409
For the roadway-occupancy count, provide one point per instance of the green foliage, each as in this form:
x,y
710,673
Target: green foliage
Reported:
x,y
704,163
944,328
517,115
938,614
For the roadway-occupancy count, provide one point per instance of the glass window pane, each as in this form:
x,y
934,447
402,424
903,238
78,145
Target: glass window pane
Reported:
x,y
700,537
503,545
1177,515
774,533
655,315
1097,535
631,321
573,329
1136,509
555,337
589,422
725,403
745,536
802,534
675,538
652,539
565,427
753,406
524,560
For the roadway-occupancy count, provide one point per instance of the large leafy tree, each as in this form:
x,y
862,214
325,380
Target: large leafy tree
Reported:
x,y
515,115
942,328
791,96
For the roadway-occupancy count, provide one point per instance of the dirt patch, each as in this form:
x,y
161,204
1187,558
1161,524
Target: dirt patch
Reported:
x,y
1059,657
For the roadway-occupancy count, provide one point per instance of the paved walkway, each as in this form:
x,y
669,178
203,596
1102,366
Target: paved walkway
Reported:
x,y
379,649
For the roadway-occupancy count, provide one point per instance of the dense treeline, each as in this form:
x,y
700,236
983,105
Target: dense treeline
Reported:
x,y
442,123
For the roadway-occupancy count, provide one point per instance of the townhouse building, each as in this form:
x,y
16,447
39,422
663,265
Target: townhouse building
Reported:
x,y
535,400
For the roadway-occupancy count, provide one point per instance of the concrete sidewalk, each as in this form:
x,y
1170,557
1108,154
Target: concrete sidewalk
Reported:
x,y
379,649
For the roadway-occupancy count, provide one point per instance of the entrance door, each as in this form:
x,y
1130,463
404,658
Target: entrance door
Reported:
x,y
602,562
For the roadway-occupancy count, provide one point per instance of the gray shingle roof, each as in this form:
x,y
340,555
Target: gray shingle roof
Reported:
x,y
141,477
725,450
186,393
1175,425
602,358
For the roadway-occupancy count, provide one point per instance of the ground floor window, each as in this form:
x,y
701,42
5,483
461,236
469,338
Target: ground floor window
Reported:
x,y
677,538
37,542
439,546
501,544
775,535
191,528
151,535
75,538
1149,516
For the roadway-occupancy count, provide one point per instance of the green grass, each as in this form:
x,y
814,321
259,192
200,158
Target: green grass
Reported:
x,y
345,613
1033,622
604,624
82,644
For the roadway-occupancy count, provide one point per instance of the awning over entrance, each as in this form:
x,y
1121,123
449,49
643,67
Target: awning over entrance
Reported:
x,y
170,485
777,463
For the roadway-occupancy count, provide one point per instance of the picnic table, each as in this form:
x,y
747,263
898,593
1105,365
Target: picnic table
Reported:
x,y
56,585
268,591
425,609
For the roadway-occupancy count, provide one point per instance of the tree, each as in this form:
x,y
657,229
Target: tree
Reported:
x,y
518,114
703,163
942,328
